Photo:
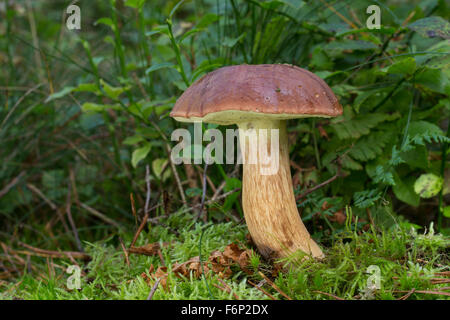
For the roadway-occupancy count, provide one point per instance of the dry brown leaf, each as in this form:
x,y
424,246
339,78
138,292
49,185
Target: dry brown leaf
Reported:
x,y
218,262
150,249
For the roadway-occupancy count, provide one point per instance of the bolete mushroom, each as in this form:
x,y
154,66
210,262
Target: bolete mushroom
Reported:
x,y
263,97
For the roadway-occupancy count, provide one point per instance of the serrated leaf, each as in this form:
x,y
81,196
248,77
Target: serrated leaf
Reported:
x,y
355,127
417,128
349,163
370,146
366,198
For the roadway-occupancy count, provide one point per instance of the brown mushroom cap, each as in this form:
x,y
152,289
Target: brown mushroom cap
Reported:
x,y
244,92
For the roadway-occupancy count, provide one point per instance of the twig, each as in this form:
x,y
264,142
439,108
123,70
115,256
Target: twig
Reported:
x,y
155,220
56,254
274,285
72,223
51,204
202,203
42,196
10,185
177,177
320,185
18,103
133,208
208,179
74,186
219,190
139,230
100,215
152,292
34,35
262,290
228,288
161,258
428,292
212,200
406,296
329,294
149,190
125,252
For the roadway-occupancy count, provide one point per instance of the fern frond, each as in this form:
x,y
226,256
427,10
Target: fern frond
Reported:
x,y
367,198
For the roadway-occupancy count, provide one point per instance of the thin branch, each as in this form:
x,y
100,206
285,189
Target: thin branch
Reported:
x,y
152,292
202,203
177,177
149,190
56,254
100,215
262,290
320,185
139,230
71,222
11,185
125,252
274,286
329,294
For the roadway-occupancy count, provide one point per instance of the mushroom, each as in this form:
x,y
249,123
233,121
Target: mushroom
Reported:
x,y
263,97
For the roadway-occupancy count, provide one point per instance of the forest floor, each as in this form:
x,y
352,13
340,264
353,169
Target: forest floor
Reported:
x,y
376,264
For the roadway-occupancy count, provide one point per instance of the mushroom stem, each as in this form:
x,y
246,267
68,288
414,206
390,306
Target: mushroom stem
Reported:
x,y
268,200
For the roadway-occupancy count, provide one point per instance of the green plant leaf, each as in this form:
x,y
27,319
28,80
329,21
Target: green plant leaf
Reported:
x,y
112,92
158,167
431,27
133,140
159,66
403,190
140,154
446,211
95,107
137,4
65,91
405,66
158,29
193,192
428,185
106,21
